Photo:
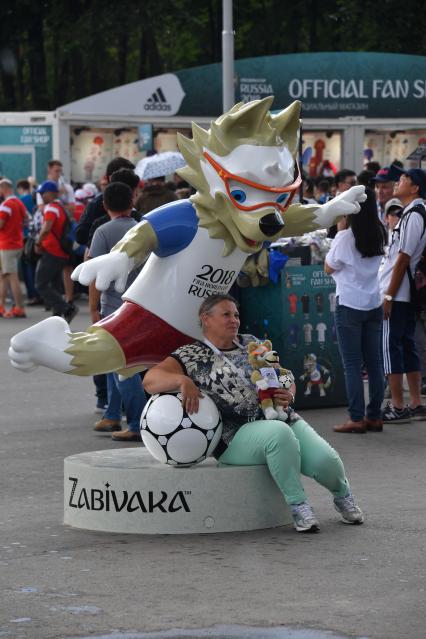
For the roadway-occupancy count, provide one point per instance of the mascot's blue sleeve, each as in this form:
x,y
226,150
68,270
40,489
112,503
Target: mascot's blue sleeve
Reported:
x,y
175,225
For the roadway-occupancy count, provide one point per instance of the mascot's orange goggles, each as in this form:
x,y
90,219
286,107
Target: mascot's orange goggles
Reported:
x,y
260,350
285,194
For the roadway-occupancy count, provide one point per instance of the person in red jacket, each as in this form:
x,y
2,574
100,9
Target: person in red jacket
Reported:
x,y
53,258
13,217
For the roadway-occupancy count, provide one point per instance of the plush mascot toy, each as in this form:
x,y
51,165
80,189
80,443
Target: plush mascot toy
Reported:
x,y
268,375
246,174
315,375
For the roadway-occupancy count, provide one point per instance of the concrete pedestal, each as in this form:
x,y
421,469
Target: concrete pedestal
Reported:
x,y
128,491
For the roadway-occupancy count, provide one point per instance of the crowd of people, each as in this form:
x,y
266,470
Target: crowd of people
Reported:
x,y
34,218
380,330
46,231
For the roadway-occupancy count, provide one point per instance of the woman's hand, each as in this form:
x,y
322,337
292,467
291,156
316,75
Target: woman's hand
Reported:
x,y
190,395
283,397
167,377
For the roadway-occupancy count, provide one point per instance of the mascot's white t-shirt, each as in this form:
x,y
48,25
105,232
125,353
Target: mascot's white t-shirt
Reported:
x,y
174,287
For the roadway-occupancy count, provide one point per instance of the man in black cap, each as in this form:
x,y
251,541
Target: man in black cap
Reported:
x,y
385,180
399,351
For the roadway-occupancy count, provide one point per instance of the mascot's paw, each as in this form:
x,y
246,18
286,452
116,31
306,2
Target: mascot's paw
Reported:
x,y
347,203
42,344
282,414
103,270
270,413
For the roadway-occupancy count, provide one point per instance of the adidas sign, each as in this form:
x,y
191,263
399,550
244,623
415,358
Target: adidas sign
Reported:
x,y
160,96
157,102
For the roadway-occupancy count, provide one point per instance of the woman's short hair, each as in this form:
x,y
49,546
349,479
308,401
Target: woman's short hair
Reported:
x,y
211,301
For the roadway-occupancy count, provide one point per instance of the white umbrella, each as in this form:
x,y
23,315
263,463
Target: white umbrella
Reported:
x,y
159,164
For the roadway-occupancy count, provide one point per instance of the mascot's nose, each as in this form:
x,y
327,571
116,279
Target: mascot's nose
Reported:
x,y
271,223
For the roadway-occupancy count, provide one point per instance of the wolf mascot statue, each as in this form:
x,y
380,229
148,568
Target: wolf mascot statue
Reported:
x,y
246,174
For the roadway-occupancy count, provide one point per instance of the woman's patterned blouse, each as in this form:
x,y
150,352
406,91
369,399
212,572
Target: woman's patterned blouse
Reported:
x,y
228,386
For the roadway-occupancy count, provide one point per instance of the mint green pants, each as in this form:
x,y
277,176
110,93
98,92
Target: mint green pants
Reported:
x,y
288,451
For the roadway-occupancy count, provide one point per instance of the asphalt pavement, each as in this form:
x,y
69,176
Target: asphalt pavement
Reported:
x,y
366,581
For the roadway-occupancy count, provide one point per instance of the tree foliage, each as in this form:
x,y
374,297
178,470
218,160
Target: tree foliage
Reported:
x,y
52,53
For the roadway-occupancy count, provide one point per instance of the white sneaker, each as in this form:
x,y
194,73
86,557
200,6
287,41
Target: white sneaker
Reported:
x,y
304,519
350,512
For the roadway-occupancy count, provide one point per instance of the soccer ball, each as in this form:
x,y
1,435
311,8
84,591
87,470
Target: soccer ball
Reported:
x,y
173,436
286,381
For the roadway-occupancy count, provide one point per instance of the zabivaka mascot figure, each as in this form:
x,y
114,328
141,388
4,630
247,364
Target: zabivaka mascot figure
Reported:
x,y
246,174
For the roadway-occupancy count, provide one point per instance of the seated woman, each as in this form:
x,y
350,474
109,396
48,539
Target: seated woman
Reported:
x,y
219,367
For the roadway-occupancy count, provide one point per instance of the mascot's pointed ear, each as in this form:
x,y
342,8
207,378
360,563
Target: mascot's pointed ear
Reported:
x,y
242,118
268,344
200,134
287,124
251,346
185,145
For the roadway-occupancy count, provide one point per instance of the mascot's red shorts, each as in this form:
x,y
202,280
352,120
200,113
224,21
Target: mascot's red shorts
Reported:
x,y
266,394
144,337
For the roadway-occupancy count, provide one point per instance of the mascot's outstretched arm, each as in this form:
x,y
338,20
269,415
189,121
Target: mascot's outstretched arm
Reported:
x,y
128,253
302,218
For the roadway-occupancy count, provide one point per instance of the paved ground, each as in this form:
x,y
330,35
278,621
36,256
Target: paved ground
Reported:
x,y
56,582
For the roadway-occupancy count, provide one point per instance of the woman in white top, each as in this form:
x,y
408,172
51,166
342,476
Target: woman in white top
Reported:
x,y
353,261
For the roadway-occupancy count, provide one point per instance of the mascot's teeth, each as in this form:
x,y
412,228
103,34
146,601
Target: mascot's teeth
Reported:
x,y
279,217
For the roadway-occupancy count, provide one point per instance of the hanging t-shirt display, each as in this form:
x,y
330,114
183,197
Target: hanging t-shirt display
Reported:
x,y
302,333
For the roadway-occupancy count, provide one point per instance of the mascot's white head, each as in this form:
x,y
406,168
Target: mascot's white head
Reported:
x,y
245,171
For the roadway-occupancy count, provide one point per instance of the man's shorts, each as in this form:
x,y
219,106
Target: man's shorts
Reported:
x,y
9,260
399,348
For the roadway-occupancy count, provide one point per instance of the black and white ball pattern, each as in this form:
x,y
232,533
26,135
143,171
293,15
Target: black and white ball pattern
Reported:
x,y
287,380
173,436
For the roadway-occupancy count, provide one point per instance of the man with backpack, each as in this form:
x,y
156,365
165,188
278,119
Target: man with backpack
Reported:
x,y
55,248
396,283
95,208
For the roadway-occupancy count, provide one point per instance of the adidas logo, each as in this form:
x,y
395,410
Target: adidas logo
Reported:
x,y
157,102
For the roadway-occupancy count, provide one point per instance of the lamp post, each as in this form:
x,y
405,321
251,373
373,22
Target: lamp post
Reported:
x,y
227,56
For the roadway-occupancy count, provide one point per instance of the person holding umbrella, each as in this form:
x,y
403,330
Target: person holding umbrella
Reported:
x,y
153,170
155,193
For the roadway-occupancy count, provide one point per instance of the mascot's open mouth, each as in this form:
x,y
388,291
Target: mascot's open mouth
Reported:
x,y
249,241
271,224
271,358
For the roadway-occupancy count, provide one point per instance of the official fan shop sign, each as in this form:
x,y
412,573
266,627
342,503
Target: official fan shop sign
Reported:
x,y
25,150
330,85
372,85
